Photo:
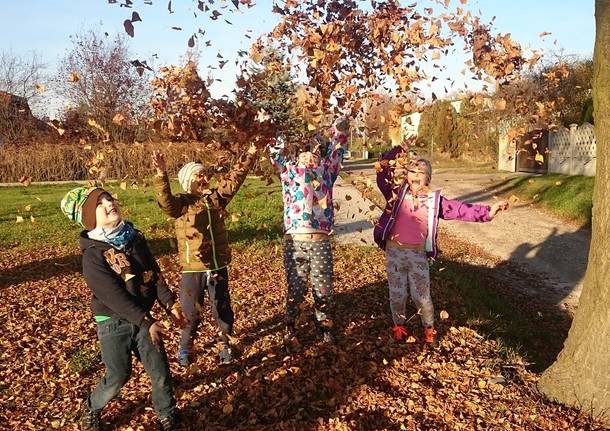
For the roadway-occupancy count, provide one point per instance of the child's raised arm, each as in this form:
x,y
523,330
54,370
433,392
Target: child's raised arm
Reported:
x,y
339,145
385,172
229,184
171,205
276,156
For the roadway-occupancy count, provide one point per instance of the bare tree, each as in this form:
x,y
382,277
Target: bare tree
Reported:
x,y
20,75
98,80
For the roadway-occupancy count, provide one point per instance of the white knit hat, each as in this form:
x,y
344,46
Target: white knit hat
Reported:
x,y
185,175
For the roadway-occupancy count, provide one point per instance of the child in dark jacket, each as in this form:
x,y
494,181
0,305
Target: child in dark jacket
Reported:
x,y
203,243
407,232
125,282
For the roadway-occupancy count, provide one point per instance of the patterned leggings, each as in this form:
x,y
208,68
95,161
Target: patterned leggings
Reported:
x,y
308,261
408,272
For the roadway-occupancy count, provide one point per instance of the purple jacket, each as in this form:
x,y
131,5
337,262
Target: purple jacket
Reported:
x,y
438,207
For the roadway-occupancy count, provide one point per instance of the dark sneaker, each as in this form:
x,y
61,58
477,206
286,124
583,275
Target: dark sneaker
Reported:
x,y
168,423
184,358
89,419
225,355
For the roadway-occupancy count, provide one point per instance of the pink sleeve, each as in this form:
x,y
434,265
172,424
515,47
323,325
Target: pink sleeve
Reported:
x,y
456,210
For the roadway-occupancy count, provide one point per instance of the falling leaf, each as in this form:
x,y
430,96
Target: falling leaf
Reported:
x,y
128,27
123,185
513,199
19,219
118,118
135,17
74,77
39,88
444,315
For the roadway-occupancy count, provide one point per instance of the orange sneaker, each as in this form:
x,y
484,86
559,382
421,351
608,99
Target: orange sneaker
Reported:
x,y
430,335
400,333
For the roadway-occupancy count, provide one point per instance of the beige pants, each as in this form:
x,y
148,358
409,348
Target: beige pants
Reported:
x,y
408,272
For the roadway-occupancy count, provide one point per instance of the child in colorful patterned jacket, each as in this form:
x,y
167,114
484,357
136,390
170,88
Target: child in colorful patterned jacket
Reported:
x,y
307,189
407,232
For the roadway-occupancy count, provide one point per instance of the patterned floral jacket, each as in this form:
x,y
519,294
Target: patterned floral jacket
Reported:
x,y
308,192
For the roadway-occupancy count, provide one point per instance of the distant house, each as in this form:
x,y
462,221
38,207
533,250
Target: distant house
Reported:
x,y
14,107
16,116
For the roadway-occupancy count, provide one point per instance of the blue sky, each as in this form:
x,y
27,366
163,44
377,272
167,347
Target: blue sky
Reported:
x,y
45,26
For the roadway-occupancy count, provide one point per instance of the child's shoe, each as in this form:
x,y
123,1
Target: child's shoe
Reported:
x,y
89,419
399,333
430,336
184,358
225,355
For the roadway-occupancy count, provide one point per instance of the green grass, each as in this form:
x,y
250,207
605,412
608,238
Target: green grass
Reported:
x,y
257,208
569,197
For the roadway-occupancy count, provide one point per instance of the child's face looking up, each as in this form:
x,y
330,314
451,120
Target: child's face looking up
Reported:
x,y
107,212
309,159
199,182
416,178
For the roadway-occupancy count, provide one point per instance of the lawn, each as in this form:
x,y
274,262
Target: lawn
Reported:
x,y
569,197
475,379
256,212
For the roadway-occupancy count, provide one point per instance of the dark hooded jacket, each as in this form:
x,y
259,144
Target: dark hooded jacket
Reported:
x,y
125,283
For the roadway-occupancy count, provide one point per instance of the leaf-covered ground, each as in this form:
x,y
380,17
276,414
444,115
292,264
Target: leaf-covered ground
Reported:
x,y
49,359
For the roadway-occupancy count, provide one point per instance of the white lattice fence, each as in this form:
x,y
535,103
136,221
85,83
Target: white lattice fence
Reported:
x,y
573,151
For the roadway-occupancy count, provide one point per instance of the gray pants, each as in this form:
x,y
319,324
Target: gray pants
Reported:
x,y
118,339
192,293
309,261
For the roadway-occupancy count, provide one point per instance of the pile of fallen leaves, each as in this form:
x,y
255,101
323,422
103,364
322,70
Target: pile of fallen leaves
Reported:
x,y
49,358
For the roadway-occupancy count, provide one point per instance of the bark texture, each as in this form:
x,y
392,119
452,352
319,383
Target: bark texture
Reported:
x,y
581,375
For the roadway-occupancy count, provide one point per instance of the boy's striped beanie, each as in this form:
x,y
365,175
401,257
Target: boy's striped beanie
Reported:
x,y
79,205
186,173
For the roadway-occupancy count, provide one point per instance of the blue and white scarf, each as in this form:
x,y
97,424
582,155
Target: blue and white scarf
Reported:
x,y
118,237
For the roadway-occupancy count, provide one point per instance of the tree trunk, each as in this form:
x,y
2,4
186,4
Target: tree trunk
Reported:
x,y
581,375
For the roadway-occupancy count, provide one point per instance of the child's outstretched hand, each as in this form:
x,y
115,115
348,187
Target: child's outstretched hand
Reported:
x,y
178,316
497,207
159,162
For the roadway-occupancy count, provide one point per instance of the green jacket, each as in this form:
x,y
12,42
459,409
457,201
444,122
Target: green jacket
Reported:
x,y
203,243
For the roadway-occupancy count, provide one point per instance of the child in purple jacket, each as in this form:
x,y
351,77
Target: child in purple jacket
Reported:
x,y
407,232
